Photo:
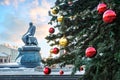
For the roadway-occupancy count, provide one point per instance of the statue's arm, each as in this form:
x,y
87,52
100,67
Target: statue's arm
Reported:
x,y
32,30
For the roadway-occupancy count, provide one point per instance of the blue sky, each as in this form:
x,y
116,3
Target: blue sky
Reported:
x,y
15,16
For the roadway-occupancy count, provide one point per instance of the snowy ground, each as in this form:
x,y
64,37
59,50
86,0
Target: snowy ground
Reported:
x,y
31,71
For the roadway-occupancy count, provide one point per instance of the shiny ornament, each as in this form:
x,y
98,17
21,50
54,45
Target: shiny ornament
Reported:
x,y
61,72
47,70
90,52
55,50
101,8
60,18
70,2
51,51
51,30
63,42
109,16
54,11
81,68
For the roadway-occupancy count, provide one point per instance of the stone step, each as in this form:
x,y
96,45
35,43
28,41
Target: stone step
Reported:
x,y
39,77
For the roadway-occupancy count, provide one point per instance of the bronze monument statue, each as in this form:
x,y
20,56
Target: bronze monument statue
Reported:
x,y
29,55
28,38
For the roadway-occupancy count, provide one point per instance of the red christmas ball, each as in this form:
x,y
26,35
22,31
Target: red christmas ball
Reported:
x,y
55,50
51,30
47,70
109,16
70,2
90,52
81,68
61,72
101,8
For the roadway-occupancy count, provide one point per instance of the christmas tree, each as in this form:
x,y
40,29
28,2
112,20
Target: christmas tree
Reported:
x,y
89,32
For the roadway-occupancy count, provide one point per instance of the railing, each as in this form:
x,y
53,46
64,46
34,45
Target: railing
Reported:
x,y
39,77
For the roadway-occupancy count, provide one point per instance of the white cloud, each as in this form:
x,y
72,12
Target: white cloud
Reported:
x,y
6,2
40,12
22,0
42,31
35,2
15,28
14,3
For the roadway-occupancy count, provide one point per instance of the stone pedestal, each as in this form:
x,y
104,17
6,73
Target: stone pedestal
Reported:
x,y
29,56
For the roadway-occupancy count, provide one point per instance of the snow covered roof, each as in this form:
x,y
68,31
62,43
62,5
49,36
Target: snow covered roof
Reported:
x,y
2,54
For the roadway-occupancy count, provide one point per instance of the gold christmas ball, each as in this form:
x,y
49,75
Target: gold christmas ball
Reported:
x,y
51,50
60,18
63,42
54,11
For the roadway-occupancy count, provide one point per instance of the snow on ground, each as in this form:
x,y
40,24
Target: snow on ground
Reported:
x,y
31,71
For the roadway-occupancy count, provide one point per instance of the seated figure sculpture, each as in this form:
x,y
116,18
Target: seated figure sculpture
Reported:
x,y
28,38
29,55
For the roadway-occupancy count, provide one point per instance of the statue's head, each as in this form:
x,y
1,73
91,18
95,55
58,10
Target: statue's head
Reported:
x,y
30,23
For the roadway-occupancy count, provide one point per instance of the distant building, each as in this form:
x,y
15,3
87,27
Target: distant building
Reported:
x,y
4,58
9,52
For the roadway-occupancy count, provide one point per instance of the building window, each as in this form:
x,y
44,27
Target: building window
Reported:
x,y
1,60
5,60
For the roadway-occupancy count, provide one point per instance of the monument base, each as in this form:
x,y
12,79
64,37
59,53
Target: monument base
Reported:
x,y
29,56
